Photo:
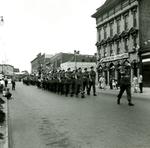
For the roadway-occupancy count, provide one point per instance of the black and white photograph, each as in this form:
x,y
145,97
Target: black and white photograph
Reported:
x,y
75,74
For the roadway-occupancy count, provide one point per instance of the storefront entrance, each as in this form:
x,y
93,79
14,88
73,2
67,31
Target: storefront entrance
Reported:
x,y
146,74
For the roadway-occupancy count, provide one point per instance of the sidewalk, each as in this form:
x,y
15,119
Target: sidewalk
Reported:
x,y
145,94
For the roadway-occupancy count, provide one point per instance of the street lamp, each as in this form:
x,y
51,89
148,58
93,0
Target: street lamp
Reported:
x,y
75,55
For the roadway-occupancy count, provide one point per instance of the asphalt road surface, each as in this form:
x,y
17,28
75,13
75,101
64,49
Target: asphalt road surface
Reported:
x,y
41,119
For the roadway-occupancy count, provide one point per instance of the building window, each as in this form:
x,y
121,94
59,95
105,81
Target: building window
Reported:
x,y
118,26
105,32
99,34
118,48
111,29
105,52
111,50
134,42
126,45
134,19
126,23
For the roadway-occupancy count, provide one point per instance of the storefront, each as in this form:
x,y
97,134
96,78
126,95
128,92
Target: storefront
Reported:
x,y
111,67
146,69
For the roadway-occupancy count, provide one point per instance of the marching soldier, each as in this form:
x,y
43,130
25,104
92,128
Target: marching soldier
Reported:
x,y
67,81
79,83
86,81
125,84
72,86
92,76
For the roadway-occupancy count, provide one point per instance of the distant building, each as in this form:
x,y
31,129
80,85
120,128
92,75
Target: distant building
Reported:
x,y
76,65
57,60
6,69
16,70
39,63
123,36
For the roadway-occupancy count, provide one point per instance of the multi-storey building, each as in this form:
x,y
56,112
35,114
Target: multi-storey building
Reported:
x,y
39,63
123,38
45,62
61,58
6,69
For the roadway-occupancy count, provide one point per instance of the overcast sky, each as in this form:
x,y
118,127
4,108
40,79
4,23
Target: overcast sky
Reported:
x,y
46,26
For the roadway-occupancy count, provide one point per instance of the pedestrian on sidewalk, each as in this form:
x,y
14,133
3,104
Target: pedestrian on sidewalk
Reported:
x,y
6,81
13,83
100,82
135,84
103,83
125,84
140,80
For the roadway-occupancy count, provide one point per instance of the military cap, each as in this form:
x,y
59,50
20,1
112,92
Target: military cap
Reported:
x,y
79,68
68,68
92,67
85,68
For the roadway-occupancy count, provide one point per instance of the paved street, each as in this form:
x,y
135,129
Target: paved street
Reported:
x,y
41,119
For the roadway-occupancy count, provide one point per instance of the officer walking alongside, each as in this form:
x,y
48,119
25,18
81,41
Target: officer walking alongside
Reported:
x,y
125,84
92,81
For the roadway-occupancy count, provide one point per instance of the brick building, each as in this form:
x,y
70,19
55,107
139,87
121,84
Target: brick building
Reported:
x,y
39,63
123,38
58,59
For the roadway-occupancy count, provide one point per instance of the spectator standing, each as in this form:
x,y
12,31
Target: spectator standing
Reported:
x,y
13,84
6,81
103,83
135,84
140,80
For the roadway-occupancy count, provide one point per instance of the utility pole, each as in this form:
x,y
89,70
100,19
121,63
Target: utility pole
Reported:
x,y
75,56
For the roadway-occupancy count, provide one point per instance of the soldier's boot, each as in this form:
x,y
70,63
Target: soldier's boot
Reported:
x,y
94,94
118,100
1,136
130,103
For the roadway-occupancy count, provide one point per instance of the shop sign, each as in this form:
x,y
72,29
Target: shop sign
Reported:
x,y
114,58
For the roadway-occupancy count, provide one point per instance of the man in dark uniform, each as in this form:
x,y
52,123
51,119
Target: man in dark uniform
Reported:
x,y
79,83
67,81
72,85
86,81
92,76
125,84
62,80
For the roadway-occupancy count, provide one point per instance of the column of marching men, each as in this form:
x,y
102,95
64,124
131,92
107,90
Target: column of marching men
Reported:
x,y
77,82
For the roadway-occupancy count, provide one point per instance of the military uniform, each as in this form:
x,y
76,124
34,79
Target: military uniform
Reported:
x,y
79,83
86,81
72,85
125,84
67,81
92,81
